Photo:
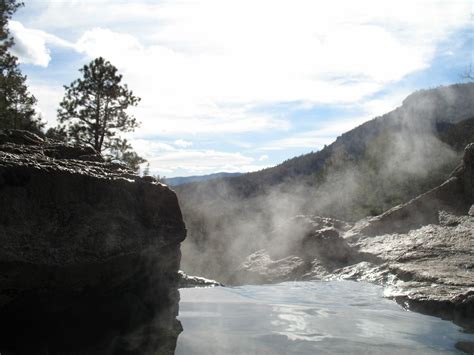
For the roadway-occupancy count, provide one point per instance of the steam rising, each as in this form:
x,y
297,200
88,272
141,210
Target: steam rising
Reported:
x,y
381,163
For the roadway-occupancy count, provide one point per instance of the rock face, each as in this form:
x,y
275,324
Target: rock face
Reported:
x,y
259,268
429,269
90,253
423,250
427,244
304,244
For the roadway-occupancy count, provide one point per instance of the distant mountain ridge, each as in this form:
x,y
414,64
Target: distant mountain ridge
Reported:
x,y
180,180
433,108
382,163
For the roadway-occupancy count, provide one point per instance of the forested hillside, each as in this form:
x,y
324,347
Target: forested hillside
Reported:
x,y
383,162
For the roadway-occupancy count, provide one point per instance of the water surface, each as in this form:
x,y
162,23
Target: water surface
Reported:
x,y
307,318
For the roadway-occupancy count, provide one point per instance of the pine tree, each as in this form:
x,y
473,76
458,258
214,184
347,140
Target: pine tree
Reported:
x,y
17,105
93,111
7,9
121,150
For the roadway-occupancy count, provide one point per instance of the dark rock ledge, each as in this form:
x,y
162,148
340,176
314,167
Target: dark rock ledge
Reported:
x,y
422,251
89,253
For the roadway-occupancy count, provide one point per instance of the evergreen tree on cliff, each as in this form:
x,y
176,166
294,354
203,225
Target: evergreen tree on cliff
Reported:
x,y
17,105
93,111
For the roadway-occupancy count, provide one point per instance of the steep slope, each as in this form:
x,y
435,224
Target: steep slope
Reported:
x,y
382,163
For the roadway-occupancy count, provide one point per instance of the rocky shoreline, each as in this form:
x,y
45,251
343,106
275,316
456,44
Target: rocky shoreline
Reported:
x,y
422,251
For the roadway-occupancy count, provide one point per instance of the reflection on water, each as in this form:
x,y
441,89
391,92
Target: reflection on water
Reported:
x,y
307,318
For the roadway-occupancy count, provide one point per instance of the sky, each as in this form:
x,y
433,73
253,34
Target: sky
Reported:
x,y
242,85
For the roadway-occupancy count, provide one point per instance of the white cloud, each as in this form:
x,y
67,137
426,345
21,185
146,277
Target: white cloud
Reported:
x,y
228,122
64,16
49,98
202,162
207,68
116,44
380,106
325,132
311,140
263,157
150,148
182,143
315,139
31,45
165,159
194,62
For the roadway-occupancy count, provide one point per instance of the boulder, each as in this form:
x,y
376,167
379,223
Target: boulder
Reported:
x,y
304,247
90,253
309,237
259,268
326,244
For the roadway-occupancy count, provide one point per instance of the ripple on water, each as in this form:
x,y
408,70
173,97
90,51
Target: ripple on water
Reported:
x,y
307,318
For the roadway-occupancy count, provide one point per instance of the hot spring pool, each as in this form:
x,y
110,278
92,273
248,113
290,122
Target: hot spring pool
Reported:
x,y
308,318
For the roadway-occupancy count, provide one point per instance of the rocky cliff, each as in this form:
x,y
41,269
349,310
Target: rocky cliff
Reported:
x,y
423,250
89,253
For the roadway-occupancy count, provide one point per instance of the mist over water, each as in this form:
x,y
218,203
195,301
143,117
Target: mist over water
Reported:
x,y
307,318
380,164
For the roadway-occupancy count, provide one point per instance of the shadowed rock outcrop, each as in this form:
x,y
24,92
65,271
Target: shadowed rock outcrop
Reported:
x,y
90,253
